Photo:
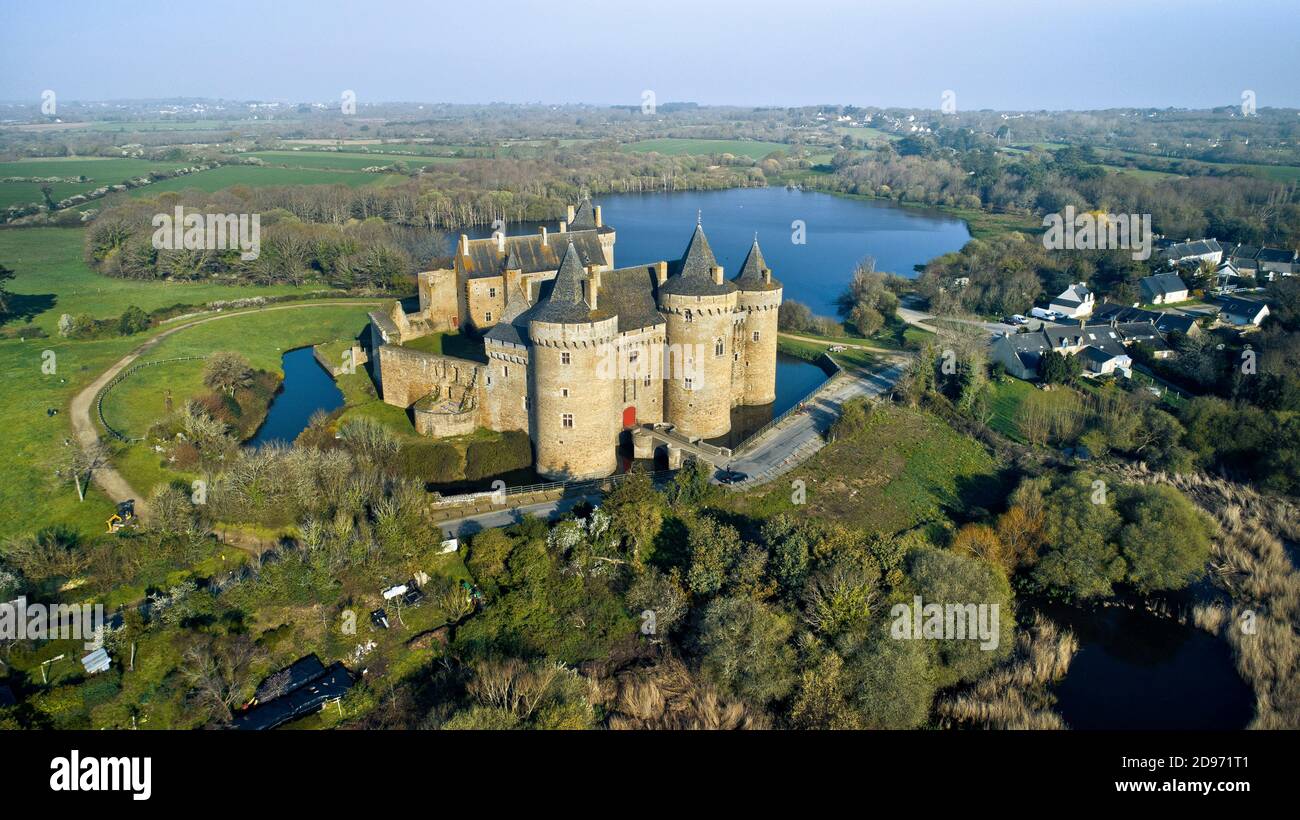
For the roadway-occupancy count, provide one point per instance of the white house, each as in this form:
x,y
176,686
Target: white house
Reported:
x,y
1163,288
1075,302
1241,312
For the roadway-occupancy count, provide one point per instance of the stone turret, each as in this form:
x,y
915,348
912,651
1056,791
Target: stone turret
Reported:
x,y
699,306
759,300
575,408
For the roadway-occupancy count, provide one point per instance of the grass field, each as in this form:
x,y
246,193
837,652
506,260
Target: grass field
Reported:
x,y
904,470
261,337
254,176
52,279
343,160
99,171
678,147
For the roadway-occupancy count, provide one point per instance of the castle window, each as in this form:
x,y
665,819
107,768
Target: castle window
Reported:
x,y
505,371
564,392
633,356
735,357
489,380
718,348
527,405
756,335
690,317
566,420
564,357
690,383
487,317
492,293
647,381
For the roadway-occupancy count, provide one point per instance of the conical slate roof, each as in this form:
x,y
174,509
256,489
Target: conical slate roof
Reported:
x,y
694,275
584,217
751,273
565,303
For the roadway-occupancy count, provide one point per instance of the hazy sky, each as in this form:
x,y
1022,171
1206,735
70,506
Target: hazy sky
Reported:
x,y
1006,54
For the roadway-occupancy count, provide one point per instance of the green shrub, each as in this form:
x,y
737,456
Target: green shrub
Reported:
x,y
432,463
512,451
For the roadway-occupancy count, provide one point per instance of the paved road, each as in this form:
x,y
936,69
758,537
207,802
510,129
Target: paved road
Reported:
x,y
83,404
788,444
470,524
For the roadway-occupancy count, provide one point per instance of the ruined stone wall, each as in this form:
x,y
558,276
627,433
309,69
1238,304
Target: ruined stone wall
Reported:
x,y
697,398
410,375
584,448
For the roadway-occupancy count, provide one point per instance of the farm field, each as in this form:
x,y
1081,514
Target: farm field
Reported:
x,y
343,160
678,147
99,171
253,176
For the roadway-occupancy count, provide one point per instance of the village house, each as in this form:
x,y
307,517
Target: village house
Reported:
x,y
1241,312
1191,252
1163,288
1074,302
1101,346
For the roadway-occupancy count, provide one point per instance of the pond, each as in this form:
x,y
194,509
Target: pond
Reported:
x,y
1135,670
838,233
306,389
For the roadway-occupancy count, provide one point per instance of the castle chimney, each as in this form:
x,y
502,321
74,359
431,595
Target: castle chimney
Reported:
x,y
464,245
569,215
717,274
543,236
501,241
593,286
563,226
661,272
598,222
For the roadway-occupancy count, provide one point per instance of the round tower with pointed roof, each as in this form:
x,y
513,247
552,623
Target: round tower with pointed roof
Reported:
x,y
573,404
699,306
759,300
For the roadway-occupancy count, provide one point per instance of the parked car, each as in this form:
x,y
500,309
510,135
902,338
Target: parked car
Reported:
x,y
1017,319
731,476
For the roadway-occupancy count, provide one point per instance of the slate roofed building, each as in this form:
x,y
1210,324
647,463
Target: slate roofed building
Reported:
x,y
1277,261
1101,346
1074,302
1165,321
1163,288
1242,312
1194,251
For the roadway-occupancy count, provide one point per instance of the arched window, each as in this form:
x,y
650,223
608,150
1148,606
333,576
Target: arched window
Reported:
x,y
690,317
718,348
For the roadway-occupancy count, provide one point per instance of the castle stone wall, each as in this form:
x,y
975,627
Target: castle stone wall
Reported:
x,y
410,375
438,301
506,397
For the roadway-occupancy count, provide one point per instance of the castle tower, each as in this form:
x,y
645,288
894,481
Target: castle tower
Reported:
x,y
587,217
759,300
575,399
699,306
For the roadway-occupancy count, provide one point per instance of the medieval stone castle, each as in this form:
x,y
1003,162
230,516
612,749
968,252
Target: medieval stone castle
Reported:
x,y
577,350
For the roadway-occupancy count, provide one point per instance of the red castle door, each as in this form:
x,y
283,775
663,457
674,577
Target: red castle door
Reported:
x,y
629,417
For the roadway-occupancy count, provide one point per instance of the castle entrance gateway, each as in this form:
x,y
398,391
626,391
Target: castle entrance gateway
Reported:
x,y
629,417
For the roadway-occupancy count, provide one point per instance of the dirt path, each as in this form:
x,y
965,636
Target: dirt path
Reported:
x,y
83,404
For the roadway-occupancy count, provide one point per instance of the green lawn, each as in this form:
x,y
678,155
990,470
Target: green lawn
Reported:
x,y
449,344
677,147
54,280
343,160
253,176
99,171
904,470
